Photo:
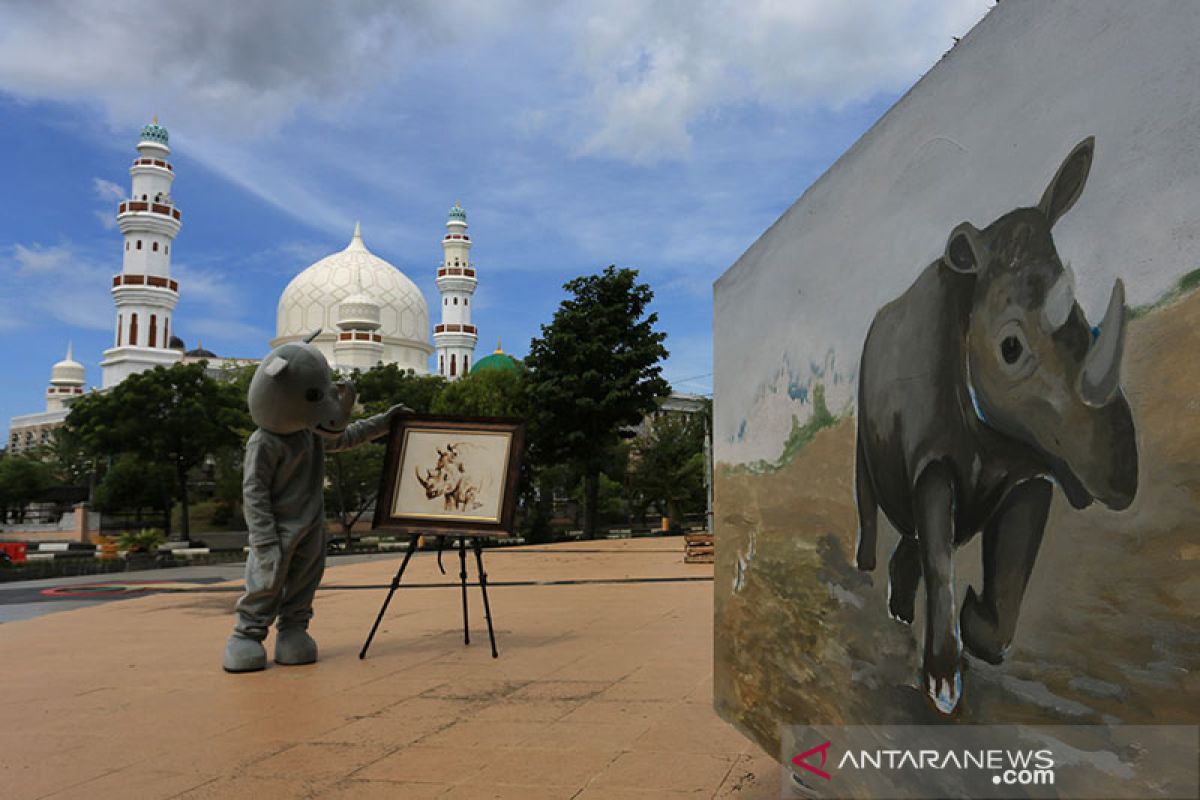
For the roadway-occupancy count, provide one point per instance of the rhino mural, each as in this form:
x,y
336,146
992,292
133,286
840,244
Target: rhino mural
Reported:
x,y
979,388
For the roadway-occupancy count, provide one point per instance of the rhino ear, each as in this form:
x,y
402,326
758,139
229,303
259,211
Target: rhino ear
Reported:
x,y
1069,181
962,250
275,366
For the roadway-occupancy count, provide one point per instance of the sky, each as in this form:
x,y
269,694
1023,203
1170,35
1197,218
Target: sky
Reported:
x,y
662,136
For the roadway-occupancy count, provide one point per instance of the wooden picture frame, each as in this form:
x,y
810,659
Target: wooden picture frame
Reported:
x,y
450,475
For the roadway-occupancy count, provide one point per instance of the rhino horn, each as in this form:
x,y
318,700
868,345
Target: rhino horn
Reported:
x,y
1059,301
1102,366
421,480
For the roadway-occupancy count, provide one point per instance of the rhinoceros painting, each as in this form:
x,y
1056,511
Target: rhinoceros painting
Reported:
x,y
980,388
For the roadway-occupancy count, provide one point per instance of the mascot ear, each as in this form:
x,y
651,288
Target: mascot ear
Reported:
x,y
308,339
275,366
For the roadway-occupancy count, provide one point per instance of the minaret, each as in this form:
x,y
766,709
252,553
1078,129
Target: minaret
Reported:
x,y
358,345
144,292
454,339
66,382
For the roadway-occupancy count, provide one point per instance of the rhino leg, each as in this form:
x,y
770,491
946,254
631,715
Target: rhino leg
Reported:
x,y
867,510
934,511
904,576
1010,546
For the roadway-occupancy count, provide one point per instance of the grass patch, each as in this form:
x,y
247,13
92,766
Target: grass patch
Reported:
x,y
1184,286
800,436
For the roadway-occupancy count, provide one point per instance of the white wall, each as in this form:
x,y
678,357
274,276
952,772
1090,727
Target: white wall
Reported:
x,y
982,133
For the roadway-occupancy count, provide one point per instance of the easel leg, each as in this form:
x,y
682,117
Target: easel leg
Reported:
x,y
462,577
412,548
487,608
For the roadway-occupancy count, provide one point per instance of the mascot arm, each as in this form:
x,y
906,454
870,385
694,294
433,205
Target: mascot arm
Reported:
x,y
262,462
365,430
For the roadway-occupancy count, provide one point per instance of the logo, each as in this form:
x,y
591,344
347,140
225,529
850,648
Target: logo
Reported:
x,y
802,759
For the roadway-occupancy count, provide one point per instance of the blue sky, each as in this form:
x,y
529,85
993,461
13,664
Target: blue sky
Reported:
x,y
662,136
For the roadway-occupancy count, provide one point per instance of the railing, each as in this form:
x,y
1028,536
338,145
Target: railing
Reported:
x,y
462,236
467,272
155,208
359,336
145,280
452,327
152,162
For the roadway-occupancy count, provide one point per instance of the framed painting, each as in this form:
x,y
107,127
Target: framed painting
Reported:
x,y
450,475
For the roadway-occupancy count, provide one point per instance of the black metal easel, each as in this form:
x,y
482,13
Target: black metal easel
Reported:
x,y
462,576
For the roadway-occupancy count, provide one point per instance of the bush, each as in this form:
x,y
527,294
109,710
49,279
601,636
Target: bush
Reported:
x,y
146,540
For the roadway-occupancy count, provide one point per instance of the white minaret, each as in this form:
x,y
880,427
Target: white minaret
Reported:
x,y
359,344
144,292
454,339
66,382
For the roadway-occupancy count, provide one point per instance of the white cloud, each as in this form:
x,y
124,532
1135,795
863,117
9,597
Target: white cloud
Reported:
x,y
655,69
40,260
107,190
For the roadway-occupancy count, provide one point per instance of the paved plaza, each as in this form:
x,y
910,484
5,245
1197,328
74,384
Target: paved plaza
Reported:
x,y
602,690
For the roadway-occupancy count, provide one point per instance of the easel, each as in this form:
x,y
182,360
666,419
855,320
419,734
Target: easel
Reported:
x,y
462,576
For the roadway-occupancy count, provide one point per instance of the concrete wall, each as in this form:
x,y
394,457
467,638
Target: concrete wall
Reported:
x,y
801,634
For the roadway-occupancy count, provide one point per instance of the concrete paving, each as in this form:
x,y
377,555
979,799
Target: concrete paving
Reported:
x,y
602,690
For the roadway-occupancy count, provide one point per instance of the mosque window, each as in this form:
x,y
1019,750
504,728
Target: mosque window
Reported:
x,y
456,301
466,301
445,301
120,319
441,365
153,330
168,249
154,247
166,339
127,245
466,364
133,330
139,244
452,365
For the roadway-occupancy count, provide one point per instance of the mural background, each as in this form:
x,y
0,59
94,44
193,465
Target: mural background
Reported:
x,y
1108,628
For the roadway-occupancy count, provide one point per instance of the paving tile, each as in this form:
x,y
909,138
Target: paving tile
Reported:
x,y
382,790
246,786
509,792
423,764
150,784
472,733
596,735
679,772
570,769
318,760
753,777
561,690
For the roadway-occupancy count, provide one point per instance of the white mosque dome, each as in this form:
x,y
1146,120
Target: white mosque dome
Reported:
x,y
347,286
68,371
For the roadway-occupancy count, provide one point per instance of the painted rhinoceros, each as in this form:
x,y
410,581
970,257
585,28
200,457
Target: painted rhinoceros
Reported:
x,y
980,387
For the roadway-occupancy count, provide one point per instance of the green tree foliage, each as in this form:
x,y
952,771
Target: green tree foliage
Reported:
x,y
384,386
173,417
131,484
667,465
593,375
490,393
352,483
22,481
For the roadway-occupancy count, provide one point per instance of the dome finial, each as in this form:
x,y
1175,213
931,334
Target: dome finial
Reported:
x,y
356,241
154,120
499,349
69,358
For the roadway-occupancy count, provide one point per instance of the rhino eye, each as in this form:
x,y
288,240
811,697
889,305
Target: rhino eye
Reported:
x,y
313,395
1011,349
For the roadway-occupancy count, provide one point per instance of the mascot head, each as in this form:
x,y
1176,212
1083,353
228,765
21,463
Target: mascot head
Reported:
x,y
292,390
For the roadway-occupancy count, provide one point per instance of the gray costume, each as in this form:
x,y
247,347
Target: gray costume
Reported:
x,y
301,414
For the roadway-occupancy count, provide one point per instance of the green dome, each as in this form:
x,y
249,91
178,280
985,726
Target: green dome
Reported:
x,y
155,132
457,213
496,361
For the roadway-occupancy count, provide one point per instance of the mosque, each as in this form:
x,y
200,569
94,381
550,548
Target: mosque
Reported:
x,y
368,311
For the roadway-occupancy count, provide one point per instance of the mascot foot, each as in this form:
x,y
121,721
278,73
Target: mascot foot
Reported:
x,y
294,646
980,633
244,655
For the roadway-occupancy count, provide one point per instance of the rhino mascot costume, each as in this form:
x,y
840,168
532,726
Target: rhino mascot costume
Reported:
x,y
301,414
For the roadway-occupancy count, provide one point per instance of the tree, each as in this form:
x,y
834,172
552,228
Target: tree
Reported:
x,y
489,393
353,483
131,484
593,375
667,464
382,387
22,481
173,417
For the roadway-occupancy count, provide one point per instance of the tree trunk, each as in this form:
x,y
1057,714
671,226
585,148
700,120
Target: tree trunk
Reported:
x,y
181,471
591,497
